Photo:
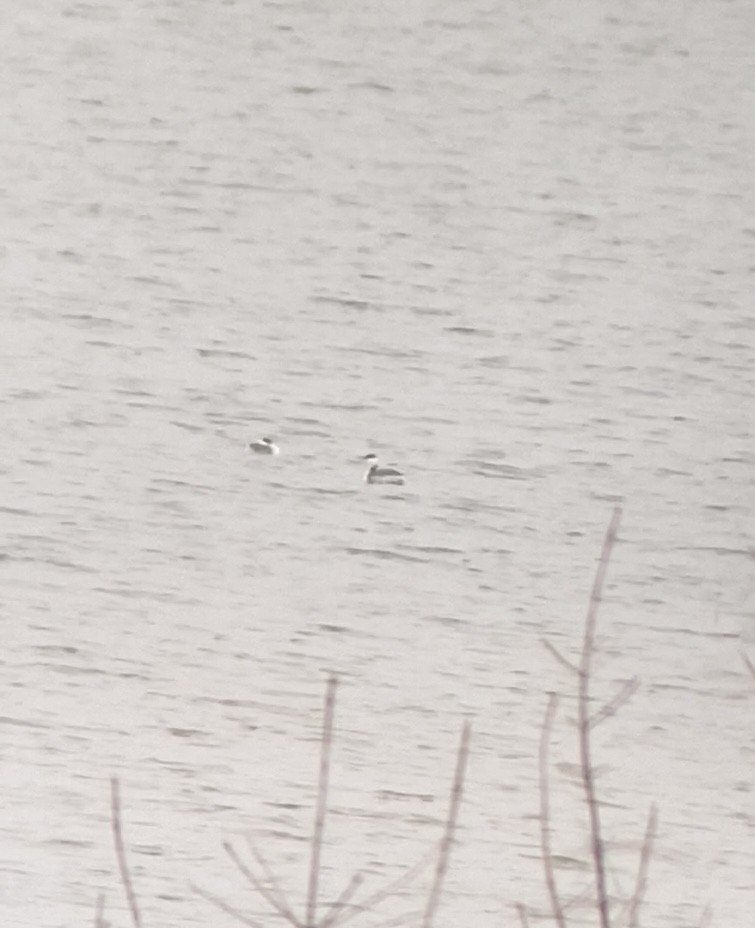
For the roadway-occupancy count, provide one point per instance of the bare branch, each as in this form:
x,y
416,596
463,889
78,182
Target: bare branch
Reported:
x,y
635,903
265,882
120,852
276,891
559,656
749,664
322,802
545,822
337,908
369,902
280,905
444,851
225,907
99,914
524,918
613,705
583,704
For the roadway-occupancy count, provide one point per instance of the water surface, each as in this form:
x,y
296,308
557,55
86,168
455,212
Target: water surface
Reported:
x,y
507,247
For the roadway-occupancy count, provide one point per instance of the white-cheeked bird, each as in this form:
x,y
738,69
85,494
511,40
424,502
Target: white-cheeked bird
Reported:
x,y
264,446
381,474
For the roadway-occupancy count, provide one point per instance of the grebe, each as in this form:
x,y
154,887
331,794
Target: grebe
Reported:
x,y
264,446
378,474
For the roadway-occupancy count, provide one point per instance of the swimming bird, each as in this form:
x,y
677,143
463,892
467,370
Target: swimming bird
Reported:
x,y
264,446
378,474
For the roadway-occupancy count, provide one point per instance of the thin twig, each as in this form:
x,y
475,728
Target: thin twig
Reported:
x,y
338,906
99,914
613,705
267,872
373,900
749,664
545,823
322,803
578,900
559,656
444,850
638,896
524,918
225,907
280,905
120,852
343,909
583,705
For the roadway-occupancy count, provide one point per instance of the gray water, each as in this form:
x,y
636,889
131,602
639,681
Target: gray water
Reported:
x,y
507,246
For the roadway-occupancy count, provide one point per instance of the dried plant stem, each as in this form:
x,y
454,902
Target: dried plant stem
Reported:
x,y
337,910
524,918
613,705
120,852
270,895
635,903
444,850
545,822
374,899
261,878
322,803
597,848
99,913
225,907
559,656
275,887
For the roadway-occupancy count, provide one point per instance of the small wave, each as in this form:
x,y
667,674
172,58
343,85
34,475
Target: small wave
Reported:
x,y
158,482
470,330
495,361
189,426
435,549
10,511
224,353
21,723
348,302
384,555
501,471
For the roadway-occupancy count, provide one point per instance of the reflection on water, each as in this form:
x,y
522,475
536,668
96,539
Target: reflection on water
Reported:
x,y
510,250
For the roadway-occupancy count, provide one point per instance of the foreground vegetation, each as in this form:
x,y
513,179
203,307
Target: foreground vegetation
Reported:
x,y
606,910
